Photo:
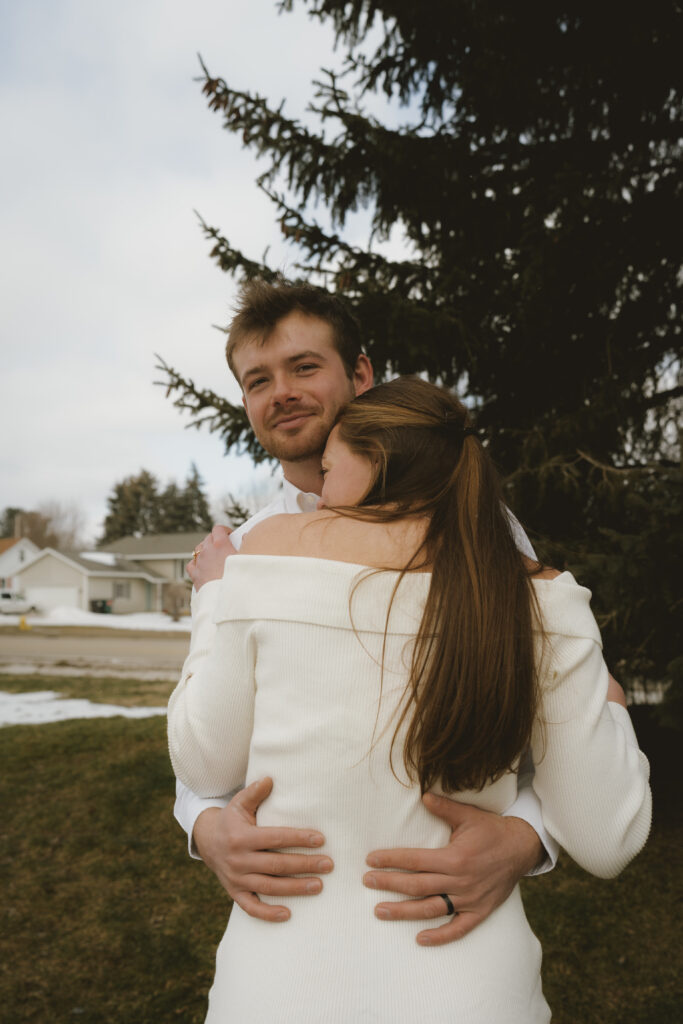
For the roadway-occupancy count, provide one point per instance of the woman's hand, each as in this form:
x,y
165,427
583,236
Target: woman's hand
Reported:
x,y
208,560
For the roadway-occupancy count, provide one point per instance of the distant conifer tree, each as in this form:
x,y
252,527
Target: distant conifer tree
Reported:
x,y
137,507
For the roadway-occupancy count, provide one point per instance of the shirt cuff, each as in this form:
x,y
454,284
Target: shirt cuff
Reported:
x,y
188,807
527,806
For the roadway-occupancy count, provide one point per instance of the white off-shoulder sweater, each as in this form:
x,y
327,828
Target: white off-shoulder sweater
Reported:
x,y
284,678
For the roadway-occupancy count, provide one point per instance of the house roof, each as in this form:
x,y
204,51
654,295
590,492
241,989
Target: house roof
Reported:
x,y
8,542
158,545
93,568
118,568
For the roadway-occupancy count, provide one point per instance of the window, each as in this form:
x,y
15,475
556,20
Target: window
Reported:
x,y
122,590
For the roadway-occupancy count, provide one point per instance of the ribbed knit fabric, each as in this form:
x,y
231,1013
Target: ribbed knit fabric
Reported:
x,y
283,678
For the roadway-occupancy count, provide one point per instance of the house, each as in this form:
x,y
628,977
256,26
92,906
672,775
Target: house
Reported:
x,y
134,574
15,552
166,554
55,579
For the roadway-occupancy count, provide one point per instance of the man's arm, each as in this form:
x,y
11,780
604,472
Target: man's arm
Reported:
x,y
245,859
223,833
485,858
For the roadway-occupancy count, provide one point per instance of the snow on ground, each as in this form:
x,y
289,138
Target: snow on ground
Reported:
x,y
63,616
47,706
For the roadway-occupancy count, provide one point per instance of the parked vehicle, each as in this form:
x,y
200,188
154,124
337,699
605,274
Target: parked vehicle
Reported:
x,y
12,602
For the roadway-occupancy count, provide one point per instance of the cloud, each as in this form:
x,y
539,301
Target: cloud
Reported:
x,y
108,147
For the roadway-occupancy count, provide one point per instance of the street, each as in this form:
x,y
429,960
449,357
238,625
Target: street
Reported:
x,y
126,654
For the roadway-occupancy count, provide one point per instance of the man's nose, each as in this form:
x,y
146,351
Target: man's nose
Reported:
x,y
285,390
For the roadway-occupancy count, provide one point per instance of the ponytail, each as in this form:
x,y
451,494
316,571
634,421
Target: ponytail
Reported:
x,y
471,697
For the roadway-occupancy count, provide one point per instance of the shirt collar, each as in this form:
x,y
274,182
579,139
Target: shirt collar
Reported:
x,y
296,500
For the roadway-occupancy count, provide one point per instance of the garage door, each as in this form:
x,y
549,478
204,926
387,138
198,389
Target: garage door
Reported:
x,y
45,598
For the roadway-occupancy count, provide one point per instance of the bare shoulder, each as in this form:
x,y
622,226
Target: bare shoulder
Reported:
x,y
281,535
329,535
539,572
266,535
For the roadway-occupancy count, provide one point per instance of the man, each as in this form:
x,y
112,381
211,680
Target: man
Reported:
x,y
297,356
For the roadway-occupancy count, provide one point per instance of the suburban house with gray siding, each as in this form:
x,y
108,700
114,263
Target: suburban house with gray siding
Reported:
x,y
134,574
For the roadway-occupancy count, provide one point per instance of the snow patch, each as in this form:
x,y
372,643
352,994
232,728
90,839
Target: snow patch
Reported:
x,y
66,616
48,706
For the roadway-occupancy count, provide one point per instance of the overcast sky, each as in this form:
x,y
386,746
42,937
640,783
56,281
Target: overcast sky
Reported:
x,y
108,147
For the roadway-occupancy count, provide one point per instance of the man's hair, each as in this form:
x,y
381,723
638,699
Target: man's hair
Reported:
x,y
261,305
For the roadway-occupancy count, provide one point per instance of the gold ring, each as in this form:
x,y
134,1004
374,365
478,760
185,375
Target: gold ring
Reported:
x,y
194,555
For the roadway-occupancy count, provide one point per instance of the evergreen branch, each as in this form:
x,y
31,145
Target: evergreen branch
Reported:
x,y
231,260
206,408
663,466
267,131
663,397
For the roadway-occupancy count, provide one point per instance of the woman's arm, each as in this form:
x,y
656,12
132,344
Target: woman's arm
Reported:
x,y
211,711
591,777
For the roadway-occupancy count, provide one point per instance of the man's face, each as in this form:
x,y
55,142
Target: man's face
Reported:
x,y
294,386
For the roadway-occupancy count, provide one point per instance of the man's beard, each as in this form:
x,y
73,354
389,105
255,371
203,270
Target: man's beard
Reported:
x,y
297,449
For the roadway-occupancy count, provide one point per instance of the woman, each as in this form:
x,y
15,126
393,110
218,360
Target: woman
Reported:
x,y
393,642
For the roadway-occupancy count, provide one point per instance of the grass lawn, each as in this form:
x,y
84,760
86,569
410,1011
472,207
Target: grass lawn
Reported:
x,y
102,689
105,918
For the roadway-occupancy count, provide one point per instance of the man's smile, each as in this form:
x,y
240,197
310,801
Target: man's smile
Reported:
x,y
292,421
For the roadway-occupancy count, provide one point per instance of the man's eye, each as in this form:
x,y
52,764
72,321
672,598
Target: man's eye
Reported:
x,y
305,367
255,383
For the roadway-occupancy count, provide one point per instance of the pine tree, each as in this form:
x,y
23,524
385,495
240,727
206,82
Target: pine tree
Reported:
x,y
137,507
197,506
534,181
133,508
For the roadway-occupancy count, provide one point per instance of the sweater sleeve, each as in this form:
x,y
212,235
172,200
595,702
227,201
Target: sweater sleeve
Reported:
x,y
211,711
590,776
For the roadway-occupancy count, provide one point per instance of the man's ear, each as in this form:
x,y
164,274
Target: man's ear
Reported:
x,y
363,375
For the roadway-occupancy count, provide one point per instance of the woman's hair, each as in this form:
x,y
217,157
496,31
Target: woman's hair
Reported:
x,y
472,694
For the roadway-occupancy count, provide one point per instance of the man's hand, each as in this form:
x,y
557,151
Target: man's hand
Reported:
x,y
208,560
243,855
485,858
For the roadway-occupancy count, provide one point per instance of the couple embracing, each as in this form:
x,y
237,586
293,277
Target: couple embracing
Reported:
x,y
417,686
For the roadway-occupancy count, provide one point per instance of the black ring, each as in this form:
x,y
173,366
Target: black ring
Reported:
x,y
449,904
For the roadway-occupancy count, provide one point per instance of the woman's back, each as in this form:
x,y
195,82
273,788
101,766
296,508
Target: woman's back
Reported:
x,y
319,727
294,688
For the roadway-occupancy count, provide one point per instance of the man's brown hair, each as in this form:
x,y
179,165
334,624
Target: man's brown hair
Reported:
x,y
261,305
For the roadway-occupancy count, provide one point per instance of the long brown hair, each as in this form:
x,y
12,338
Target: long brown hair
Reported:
x,y
472,692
